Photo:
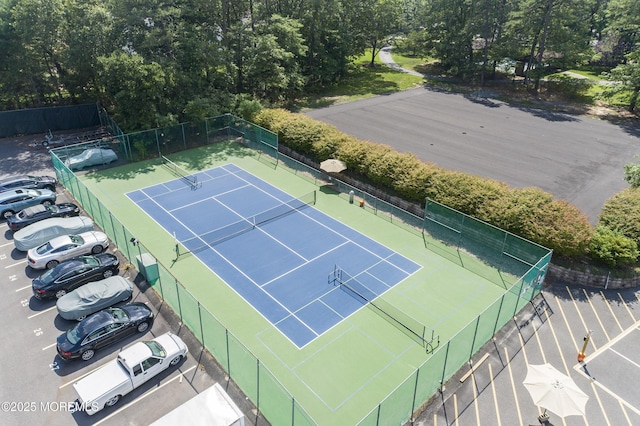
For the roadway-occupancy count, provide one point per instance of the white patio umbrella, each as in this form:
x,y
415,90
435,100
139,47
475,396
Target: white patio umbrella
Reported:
x,y
554,391
333,165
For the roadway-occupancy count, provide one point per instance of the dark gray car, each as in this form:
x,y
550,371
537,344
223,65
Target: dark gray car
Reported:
x,y
28,182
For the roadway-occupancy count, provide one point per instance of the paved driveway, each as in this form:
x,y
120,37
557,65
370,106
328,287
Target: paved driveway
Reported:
x,y
574,158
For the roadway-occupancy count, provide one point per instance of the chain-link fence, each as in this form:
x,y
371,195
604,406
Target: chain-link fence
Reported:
x,y
515,264
245,369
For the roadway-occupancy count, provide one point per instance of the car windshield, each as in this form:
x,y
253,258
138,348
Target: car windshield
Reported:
x,y
74,335
45,248
157,350
88,260
76,239
120,315
48,277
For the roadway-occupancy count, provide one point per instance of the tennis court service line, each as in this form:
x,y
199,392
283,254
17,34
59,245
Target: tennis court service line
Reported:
x,y
306,263
201,199
291,313
259,228
321,223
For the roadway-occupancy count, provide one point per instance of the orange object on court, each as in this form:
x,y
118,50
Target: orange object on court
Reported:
x,y
361,203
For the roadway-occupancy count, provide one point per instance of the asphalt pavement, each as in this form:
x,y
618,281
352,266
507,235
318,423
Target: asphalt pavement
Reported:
x,y
575,158
490,391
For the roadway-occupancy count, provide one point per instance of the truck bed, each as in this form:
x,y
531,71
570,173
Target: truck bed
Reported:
x,y
108,377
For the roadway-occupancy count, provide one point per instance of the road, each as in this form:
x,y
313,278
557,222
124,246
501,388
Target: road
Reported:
x,y
574,158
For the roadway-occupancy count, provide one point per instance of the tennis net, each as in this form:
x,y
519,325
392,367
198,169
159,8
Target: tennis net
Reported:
x,y
410,326
180,172
231,230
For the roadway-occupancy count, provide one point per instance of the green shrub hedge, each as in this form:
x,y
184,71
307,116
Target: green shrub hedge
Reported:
x,y
530,213
622,213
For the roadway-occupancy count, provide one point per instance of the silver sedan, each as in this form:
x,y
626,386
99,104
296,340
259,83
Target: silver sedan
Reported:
x,y
59,249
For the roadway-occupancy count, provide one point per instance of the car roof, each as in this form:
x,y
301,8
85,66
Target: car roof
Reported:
x,y
64,267
95,321
136,353
30,211
14,192
14,178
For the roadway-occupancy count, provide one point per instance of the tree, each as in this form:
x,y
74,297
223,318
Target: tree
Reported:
x,y
451,32
548,33
88,34
37,26
134,89
379,19
327,30
626,77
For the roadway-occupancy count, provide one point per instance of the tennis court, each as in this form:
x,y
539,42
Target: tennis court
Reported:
x,y
318,309
294,248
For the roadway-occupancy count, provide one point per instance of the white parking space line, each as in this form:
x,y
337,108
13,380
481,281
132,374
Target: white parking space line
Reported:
x,y
22,262
49,347
144,395
41,312
23,288
10,243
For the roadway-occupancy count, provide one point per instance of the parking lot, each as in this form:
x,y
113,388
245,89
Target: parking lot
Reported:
x,y
37,385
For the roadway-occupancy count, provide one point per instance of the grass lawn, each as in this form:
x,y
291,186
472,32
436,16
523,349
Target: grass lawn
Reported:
x,y
408,62
362,81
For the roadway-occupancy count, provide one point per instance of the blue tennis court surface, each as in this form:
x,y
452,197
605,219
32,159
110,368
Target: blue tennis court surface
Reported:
x,y
274,250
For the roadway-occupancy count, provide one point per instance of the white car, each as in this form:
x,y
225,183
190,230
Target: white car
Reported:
x,y
66,247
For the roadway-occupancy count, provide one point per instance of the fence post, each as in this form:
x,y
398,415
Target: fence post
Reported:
x,y
257,384
475,334
200,319
495,327
415,391
444,367
226,335
178,294
515,308
157,142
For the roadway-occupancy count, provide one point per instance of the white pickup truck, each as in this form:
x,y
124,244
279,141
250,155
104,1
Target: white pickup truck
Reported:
x,y
133,367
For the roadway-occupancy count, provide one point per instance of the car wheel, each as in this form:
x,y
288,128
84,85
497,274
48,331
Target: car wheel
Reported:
x,y
107,273
175,360
60,293
112,401
143,326
87,355
52,264
97,249
7,213
50,188
47,203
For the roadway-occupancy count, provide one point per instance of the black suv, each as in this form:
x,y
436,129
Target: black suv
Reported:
x,y
28,182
